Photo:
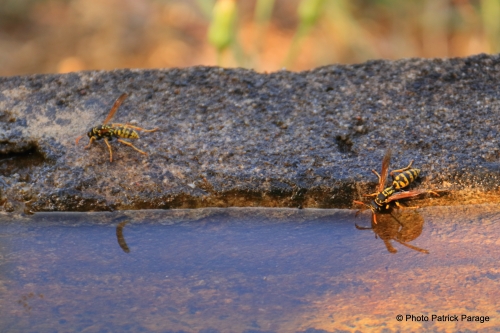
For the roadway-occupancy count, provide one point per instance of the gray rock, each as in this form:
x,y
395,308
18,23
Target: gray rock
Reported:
x,y
234,137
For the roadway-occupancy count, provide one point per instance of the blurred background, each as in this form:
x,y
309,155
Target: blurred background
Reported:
x,y
57,36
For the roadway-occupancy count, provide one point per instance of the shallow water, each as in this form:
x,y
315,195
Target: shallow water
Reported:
x,y
250,270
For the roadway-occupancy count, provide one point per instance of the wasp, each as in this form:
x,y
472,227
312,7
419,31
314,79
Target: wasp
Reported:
x,y
385,195
115,130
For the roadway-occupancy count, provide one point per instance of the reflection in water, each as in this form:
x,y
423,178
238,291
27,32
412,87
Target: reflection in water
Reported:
x,y
402,226
248,270
120,237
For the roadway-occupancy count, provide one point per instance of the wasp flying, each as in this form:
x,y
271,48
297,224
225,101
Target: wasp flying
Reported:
x,y
115,130
385,195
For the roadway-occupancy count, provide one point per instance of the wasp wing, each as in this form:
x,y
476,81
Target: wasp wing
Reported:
x,y
103,131
408,194
115,107
385,170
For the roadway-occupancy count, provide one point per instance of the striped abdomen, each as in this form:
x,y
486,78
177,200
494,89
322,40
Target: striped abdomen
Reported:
x,y
405,178
125,132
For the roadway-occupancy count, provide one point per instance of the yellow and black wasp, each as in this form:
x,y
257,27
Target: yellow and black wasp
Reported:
x,y
115,130
385,195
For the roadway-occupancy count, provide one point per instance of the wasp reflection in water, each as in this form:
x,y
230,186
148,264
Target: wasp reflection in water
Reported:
x,y
402,226
120,237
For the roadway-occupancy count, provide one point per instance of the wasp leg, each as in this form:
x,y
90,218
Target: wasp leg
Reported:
x,y
136,128
110,151
131,145
374,218
92,139
412,247
371,195
389,246
360,203
401,170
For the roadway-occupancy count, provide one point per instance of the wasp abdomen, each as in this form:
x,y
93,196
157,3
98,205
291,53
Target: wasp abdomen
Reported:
x,y
125,132
405,178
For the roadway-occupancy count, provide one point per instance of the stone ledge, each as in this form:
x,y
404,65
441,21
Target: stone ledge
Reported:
x,y
233,137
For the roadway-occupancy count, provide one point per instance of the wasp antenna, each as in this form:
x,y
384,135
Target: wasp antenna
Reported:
x,y
361,203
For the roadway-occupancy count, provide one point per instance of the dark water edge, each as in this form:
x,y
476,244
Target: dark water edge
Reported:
x,y
250,270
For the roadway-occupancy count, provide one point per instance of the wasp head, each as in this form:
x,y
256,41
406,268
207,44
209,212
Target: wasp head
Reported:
x,y
374,207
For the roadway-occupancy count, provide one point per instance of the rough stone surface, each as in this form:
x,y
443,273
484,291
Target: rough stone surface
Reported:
x,y
234,137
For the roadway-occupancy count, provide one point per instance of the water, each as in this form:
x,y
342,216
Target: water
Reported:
x,y
250,270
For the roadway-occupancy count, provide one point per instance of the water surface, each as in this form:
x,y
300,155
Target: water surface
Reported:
x,y
249,270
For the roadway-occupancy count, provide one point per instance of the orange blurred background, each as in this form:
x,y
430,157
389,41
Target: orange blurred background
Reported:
x,y
56,36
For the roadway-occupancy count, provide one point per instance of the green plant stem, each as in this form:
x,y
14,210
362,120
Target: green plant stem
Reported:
x,y
490,13
263,11
239,54
219,57
293,51
206,7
